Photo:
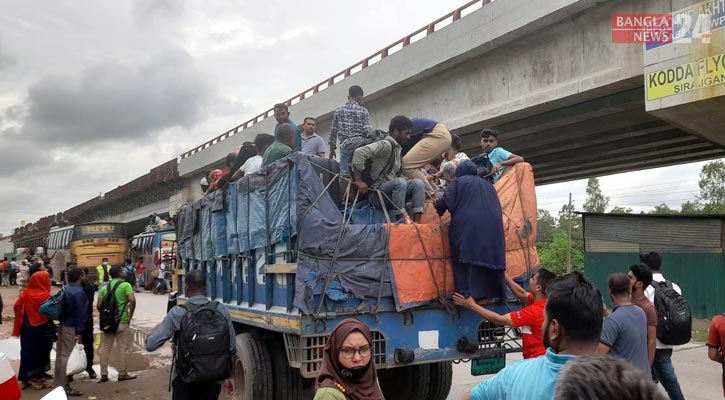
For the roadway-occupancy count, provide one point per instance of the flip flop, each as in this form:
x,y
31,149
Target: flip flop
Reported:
x,y
41,385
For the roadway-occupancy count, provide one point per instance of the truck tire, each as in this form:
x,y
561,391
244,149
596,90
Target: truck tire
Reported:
x,y
441,378
252,371
287,380
405,382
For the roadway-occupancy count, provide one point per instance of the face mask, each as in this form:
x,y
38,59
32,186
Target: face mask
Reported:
x,y
105,263
353,373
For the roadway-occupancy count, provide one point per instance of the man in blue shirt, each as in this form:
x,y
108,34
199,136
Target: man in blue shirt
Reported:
x,y
499,157
624,332
429,139
572,325
72,323
194,289
281,114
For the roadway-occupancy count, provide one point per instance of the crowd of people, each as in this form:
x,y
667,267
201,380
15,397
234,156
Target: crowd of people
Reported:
x,y
412,161
38,332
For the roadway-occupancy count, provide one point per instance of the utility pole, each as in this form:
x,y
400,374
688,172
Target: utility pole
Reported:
x,y
568,252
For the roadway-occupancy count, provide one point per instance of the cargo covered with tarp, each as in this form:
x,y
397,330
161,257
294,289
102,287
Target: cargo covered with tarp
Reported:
x,y
343,254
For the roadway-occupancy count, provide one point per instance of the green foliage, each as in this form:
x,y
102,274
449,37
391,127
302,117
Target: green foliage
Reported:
x,y
545,227
663,209
596,201
553,255
621,210
691,207
712,187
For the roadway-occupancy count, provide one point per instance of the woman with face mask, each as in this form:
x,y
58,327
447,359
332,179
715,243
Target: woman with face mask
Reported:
x,y
347,371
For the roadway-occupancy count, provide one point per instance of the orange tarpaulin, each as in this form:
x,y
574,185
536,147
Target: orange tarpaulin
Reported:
x,y
411,271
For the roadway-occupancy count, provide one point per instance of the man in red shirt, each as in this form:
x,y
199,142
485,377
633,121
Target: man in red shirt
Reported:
x,y
716,344
530,318
640,277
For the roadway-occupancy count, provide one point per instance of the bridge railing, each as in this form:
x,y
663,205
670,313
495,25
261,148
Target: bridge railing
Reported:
x,y
358,66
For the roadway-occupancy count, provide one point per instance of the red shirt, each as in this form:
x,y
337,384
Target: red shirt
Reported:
x,y
530,319
139,268
716,339
648,308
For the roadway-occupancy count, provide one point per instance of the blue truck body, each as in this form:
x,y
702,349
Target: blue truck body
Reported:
x,y
247,240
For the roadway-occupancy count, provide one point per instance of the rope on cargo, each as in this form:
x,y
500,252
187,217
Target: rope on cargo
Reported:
x,y
346,220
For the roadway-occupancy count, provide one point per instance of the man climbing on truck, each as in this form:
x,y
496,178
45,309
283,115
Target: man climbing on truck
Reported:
x,y
499,157
529,319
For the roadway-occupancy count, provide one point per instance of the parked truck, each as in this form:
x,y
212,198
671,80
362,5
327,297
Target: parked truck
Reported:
x,y
290,258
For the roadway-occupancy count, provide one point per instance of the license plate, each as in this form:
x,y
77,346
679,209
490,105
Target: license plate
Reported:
x,y
493,361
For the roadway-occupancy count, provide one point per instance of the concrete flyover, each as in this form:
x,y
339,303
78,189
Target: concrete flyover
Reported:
x,y
548,77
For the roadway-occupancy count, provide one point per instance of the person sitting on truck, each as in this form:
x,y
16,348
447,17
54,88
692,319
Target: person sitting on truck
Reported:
x,y
428,140
478,248
530,318
254,163
378,166
498,157
244,153
452,158
282,147
572,324
347,371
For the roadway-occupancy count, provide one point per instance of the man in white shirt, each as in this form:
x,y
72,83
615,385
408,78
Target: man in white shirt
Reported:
x,y
662,369
254,164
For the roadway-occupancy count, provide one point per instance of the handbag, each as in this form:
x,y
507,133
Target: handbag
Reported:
x,y
52,307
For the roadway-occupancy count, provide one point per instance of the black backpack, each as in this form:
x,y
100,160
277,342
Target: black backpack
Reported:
x,y
110,317
202,345
366,174
674,320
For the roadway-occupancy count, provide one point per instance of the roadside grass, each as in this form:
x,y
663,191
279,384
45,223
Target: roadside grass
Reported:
x,y
699,335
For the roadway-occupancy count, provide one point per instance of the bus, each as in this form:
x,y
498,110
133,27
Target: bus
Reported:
x,y
154,247
91,243
58,252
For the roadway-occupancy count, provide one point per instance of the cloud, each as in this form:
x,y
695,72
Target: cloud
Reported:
x,y
116,101
7,59
150,11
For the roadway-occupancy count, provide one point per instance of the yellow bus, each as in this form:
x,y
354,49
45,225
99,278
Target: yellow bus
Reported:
x,y
93,242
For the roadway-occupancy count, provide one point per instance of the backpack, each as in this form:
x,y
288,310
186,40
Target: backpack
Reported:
x,y
110,317
674,320
202,344
130,274
52,307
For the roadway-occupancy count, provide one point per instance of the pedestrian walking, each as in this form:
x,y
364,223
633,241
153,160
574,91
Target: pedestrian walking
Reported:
x,y
716,344
70,331
183,322
89,289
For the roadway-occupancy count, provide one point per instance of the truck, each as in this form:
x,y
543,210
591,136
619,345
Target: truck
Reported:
x,y
291,255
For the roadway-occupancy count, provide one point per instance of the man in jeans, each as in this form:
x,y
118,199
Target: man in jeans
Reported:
x,y
126,305
385,163
70,331
662,369
350,123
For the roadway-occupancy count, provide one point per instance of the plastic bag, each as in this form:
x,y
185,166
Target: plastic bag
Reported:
x,y
76,361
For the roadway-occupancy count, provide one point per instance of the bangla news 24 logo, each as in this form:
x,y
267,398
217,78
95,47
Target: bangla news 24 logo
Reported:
x,y
661,28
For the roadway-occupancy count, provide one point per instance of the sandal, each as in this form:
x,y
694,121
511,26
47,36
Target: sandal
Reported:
x,y
69,391
25,385
41,385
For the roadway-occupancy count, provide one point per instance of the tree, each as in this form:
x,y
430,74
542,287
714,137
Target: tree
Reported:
x,y
621,210
712,187
663,209
691,207
553,256
545,227
596,201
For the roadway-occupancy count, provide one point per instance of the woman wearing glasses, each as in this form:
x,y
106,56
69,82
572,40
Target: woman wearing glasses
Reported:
x,y
347,371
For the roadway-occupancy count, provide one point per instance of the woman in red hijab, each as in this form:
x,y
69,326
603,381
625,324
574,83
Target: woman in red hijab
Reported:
x,y
35,331
347,371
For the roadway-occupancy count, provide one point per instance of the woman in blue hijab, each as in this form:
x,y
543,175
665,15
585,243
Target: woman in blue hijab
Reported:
x,y
478,249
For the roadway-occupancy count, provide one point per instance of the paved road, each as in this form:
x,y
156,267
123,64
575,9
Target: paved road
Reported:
x,y
699,377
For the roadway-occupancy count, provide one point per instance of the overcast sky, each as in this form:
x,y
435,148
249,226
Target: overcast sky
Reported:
x,y
95,93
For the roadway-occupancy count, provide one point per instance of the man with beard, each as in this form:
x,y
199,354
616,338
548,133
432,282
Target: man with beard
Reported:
x,y
572,325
